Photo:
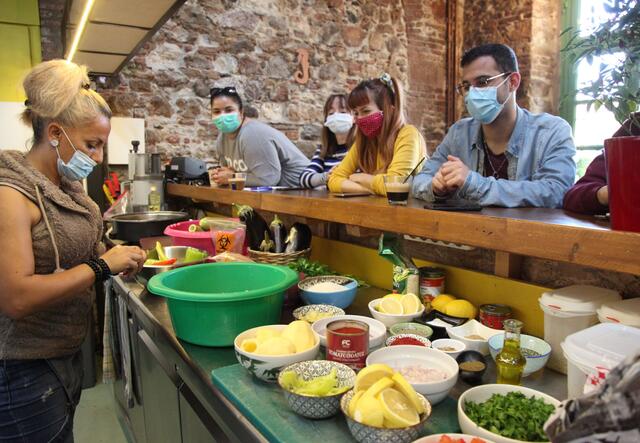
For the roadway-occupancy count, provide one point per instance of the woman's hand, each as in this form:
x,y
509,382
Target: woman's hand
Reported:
x,y
364,180
125,259
222,175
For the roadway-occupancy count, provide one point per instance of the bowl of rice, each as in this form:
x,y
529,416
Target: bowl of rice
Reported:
x,y
331,290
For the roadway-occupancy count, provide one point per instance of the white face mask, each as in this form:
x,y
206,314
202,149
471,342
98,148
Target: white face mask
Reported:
x,y
339,122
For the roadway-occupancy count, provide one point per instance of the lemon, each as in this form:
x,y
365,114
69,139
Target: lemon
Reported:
x,y
402,385
390,306
460,308
249,344
351,409
410,303
368,411
397,410
371,374
439,302
377,387
394,295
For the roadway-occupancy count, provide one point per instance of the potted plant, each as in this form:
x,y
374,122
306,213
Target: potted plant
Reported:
x,y
617,88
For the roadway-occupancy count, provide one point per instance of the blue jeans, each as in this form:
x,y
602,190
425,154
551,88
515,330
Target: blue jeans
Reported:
x,y
38,399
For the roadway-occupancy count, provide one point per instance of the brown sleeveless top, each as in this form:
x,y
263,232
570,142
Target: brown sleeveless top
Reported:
x,y
75,226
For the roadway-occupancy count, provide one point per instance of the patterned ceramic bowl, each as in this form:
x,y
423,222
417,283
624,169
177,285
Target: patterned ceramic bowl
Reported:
x,y
313,313
342,298
408,339
317,407
371,434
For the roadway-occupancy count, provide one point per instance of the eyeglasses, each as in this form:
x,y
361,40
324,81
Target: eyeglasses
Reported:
x,y
480,82
227,90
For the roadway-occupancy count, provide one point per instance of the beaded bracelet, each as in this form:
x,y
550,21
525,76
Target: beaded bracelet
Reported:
x,y
100,268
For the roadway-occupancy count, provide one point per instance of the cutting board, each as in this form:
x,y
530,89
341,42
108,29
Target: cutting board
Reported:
x,y
266,408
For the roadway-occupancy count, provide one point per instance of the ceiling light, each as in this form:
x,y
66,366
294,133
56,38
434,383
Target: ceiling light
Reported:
x,y
80,29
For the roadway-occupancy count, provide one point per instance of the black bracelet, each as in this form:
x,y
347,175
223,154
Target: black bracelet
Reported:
x,y
97,269
105,268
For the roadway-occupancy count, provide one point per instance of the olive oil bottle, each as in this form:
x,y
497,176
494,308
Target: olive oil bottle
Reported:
x,y
510,362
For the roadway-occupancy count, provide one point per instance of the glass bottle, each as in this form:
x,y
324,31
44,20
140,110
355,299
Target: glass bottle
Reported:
x,y
510,362
154,199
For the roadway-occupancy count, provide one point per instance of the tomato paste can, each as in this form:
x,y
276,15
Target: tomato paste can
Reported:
x,y
493,315
348,343
431,284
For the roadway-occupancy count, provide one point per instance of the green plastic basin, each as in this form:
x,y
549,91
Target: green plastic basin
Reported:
x,y
210,304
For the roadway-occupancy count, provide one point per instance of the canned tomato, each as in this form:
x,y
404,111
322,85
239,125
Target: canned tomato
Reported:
x,y
348,343
431,284
493,315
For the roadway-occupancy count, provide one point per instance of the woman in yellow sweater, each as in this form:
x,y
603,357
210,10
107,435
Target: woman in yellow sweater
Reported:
x,y
384,143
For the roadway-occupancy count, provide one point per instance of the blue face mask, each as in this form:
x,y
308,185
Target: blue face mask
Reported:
x,y
483,104
227,122
80,165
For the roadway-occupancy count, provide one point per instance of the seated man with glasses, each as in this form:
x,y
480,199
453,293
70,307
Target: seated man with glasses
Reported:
x,y
246,145
503,155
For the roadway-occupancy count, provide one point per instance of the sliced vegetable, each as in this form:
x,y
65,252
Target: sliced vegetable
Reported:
x,y
195,228
160,250
256,226
267,244
278,234
167,262
193,255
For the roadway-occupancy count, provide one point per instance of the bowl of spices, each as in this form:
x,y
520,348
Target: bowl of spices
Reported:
x,y
449,346
408,339
534,349
472,366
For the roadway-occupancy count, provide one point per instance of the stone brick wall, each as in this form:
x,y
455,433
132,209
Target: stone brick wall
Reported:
x,y
51,17
253,45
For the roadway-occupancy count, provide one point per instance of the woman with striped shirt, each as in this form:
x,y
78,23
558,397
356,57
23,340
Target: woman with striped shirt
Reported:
x,y
337,136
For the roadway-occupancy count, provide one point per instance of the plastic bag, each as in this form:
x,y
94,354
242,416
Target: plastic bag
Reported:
x,y
228,257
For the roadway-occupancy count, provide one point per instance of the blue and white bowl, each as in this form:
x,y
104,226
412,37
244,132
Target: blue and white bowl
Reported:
x,y
342,298
322,311
534,363
317,407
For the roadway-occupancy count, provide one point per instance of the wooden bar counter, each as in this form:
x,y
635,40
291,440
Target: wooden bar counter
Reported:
x,y
544,233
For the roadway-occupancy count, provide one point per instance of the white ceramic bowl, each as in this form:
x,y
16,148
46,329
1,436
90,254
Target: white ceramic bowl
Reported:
x,y
534,363
267,367
400,356
377,330
435,438
482,393
449,343
327,310
474,327
391,319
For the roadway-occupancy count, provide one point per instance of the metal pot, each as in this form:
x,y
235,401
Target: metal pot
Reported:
x,y
132,227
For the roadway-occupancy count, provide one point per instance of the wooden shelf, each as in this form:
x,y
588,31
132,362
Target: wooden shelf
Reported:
x,y
544,233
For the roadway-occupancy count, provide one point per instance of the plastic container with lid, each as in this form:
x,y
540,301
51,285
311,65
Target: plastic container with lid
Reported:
x,y
593,352
626,312
569,310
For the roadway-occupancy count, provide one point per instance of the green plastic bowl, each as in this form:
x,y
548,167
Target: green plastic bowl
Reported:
x,y
210,304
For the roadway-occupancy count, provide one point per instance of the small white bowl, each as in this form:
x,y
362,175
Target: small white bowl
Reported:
x,y
474,327
457,345
267,367
481,394
400,356
377,331
527,342
435,438
391,319
327,310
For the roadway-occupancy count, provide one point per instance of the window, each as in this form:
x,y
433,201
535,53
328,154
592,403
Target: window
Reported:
x,y
590,126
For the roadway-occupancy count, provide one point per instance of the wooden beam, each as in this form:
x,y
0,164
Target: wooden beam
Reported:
x,y
508,265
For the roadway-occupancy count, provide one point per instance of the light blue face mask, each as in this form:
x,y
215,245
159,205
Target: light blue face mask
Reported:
x,y
483,104
227,122
80,165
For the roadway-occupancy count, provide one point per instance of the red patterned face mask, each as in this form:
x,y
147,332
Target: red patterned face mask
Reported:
x,y
371,124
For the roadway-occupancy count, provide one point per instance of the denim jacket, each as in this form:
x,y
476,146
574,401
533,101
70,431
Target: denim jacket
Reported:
x,y
541,166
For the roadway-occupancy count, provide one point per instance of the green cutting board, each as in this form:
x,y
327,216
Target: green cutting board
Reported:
x,y
266,408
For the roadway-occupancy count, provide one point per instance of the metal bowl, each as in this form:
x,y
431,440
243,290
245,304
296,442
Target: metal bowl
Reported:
x,y
177,252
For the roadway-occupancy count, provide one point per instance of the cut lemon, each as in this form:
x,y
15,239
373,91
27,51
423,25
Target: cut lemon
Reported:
x,y
397,409
402,385
378,387
369,411
390,306
371,374
351,409
410,303
394,295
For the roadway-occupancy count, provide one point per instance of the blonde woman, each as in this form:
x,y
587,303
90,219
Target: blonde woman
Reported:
x,y
50,233
384,143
